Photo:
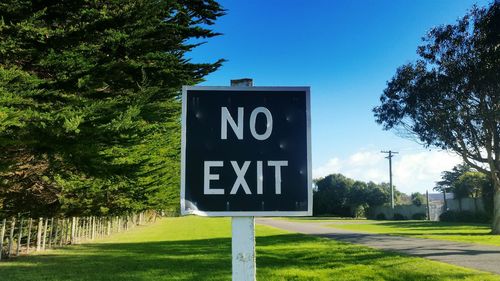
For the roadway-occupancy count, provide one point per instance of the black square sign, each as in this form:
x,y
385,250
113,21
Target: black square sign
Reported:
x,y
246,151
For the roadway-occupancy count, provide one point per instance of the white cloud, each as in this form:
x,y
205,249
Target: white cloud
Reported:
x,y
412,172
326,169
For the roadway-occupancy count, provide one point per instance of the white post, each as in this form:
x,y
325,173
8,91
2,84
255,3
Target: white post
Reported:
x,y
2,234
30,225
18,249
243,248
243,232
39,235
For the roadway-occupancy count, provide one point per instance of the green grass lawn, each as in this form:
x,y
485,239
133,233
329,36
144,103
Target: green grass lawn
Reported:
x,y
460,232
193,248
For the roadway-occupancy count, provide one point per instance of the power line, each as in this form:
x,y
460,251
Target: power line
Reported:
x,y
389,156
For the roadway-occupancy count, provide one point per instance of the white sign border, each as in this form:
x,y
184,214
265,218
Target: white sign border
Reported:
x,y
307,90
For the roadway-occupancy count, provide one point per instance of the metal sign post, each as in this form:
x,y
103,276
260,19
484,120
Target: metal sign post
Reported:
x,y
245,153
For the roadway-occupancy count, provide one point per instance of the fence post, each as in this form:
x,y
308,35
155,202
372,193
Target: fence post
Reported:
x,y
28,240
99,223
88,227
85,228
98,228
20,236
2,235
44,241
56,232
66,231
77,230
39,235
64,237
73,232
51,231
11,236
82,230
60,223
92,228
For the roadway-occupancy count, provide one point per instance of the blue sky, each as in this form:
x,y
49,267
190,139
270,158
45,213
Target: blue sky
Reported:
x,y
345,51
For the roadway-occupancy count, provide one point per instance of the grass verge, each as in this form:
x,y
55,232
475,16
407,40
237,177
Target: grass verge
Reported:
x,y
458,232
193,248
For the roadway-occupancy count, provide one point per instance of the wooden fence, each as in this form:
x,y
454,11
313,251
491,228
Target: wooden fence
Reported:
x,y
20,236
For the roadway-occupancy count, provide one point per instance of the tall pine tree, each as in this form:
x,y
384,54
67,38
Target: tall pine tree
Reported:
x,y
89,102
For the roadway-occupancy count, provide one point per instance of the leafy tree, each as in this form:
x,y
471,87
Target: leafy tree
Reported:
x,y
448,182
401,198
357,199
378,194
89,102
331,196
448,178
339,195
449,97
470,185
418,199
465,182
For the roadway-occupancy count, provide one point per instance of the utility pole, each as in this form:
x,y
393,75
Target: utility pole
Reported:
x,y
428,206
389,156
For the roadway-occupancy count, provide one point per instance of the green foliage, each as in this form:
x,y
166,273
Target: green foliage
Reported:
x,y
449,178
331,195
89,102
419,216
465,182
471,183
465,216
449,97
418,199
341,196
398,217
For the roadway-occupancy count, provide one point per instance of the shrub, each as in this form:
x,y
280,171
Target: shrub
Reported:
x,y
360,212
398,217
380,216
419,216
464,216
448,216
482,217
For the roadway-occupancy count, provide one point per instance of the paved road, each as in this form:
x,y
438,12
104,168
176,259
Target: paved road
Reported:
x,y
485,258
